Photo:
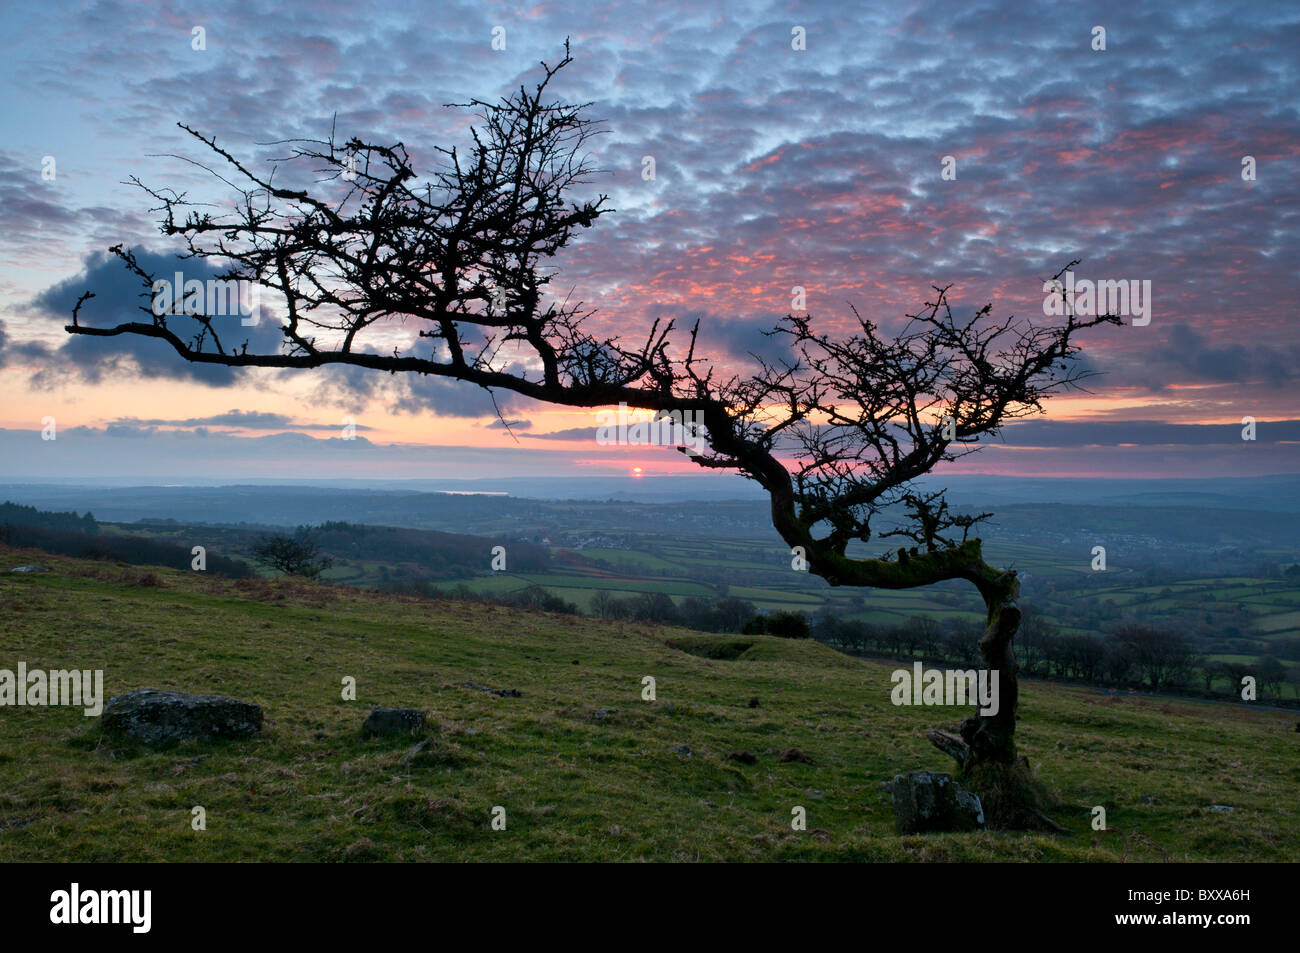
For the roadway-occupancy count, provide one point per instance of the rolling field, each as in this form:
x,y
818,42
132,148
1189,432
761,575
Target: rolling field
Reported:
x,y
584,768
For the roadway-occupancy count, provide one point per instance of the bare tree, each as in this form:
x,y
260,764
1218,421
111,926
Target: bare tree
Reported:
x,y
295,555
836,434
1161,658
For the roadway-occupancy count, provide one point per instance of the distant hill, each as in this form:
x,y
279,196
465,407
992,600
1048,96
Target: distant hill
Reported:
x,y
70,535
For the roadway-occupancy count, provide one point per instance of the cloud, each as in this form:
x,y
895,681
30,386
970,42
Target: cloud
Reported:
x,y
241,419
21,350
1143,433
775,169
449,398
1192,352
571,433
119,296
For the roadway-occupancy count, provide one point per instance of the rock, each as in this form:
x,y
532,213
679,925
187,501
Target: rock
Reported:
x,y
600,713
794,754
158,717
744,757
393,721
683,750
29,569
1221,809
929,801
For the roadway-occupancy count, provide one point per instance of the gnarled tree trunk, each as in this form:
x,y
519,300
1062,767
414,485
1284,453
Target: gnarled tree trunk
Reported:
x,y
993,737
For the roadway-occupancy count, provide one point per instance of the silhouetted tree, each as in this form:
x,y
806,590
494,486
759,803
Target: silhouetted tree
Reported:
x,y
295,555
836,432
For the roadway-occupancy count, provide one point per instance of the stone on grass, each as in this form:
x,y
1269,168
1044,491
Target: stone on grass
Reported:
x,y
159,717
393,721
926,801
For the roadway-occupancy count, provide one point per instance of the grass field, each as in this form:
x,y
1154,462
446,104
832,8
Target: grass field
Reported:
x,y
574,785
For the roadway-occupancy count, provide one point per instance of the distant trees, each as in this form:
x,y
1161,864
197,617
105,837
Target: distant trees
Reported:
x,y
15,514
296,555
728,614
1080,656
436,555
1211,671
1271,675
1136,656
539,599
1159,658
787,625
1037,642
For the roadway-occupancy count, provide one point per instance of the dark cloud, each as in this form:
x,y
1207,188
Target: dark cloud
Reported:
x,y
1145,433
449,398
119,296
12,351
740,340
1243,363
409,393
571,433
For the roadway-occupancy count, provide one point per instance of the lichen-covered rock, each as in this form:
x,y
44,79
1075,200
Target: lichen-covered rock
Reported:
x,y
393,721
930,801
158,717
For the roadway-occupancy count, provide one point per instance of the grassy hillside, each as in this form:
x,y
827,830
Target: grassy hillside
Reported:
x,y
576,785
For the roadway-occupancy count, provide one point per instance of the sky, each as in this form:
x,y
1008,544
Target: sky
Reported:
x,y
1171,156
